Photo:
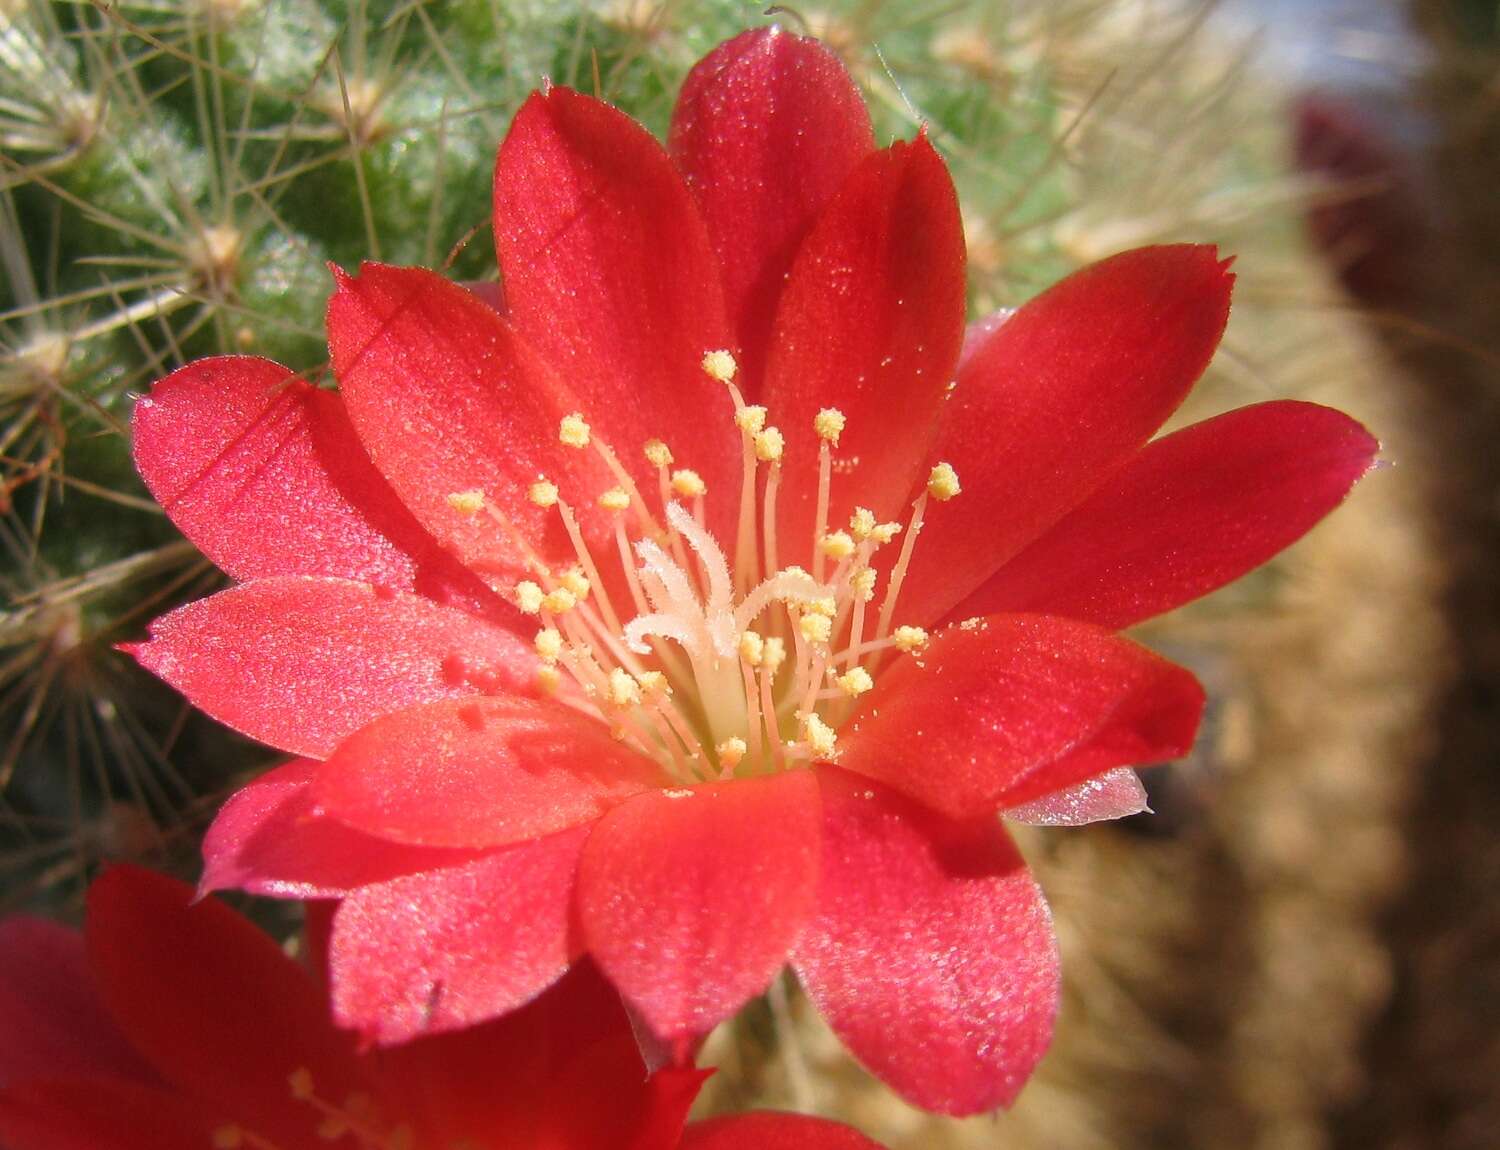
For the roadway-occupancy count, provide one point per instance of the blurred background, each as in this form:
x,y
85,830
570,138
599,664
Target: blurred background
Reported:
x,y
1301,949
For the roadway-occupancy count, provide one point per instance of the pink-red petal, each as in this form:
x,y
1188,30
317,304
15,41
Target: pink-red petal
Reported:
x,y
479,773
1115,794
609,272
96,1113
767,1131
1057,397
1002,710
870,323
1191,512
271,838
690,899
265,475
767,126
447,948
302,663
932,954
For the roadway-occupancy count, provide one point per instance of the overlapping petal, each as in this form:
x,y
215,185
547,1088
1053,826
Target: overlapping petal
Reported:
x,y
102,1114
773,1132
931,954
691,898
301,663
1116,794
1002,710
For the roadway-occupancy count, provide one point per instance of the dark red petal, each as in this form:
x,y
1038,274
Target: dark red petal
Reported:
x,y
52,1022
1002,710
1115,794
1190,513
767,126
870,323
932,954
1062,393
479,773
270,838
264,473
103,1114
609,273
303,663
691,898
447,399
211,1001
767,1131
448,948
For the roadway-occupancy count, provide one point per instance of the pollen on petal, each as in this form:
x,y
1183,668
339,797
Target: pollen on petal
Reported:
x,y
615,499
942,484
688,483
769,445
543,493
720,365
467,502
829,425
855,682
837,545
529,597
658,454
573,431
909,638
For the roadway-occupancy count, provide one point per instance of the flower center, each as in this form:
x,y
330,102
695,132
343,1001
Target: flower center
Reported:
x,y
724,669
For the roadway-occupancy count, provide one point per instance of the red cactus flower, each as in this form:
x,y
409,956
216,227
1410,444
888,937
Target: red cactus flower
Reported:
x,y
166,1026
685,613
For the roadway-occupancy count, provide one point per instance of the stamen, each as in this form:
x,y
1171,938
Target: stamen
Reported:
x,y
731,752
855,682
548,644
616,499
828,425
942,485
543,493
467,503
720,365
910,639
688,483
818,736
574,431
529,597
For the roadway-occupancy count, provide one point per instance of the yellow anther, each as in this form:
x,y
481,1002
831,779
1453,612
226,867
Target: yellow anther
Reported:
x,y
467,502
654,684
751,419
559,600
909,638
829,424
624,691
720,365
827,606
769,445
574,431
658,454
752,647
300,1081
615,499
576,581
815,628
548,679
774,654
333,1128
862,582
549,644
855,682
529,597
688,483
883,533
838,545
730,752
228,1138
862,523
818,735
543,493
942,484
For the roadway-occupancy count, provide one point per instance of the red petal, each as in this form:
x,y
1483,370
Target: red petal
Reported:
x,y
448,948
1006,709
766,1131
690,899
932,954
211,1001
103,1114
265,475
53,1023
1115,794
609,272
479,773
1191,512
1061,394
767,126
302,663
871,322
447,399
270,838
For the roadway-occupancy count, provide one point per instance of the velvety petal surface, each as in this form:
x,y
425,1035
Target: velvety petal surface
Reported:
x,y
932,954
479,773
211,1001
691,898
767,126
870,323
448,948
768,1131
102,1114
1115,794
302,663
264,473
1191,512
271,838
447,399
1005,709
609,272
1058,396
